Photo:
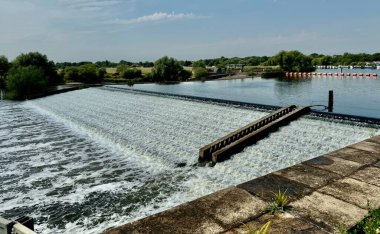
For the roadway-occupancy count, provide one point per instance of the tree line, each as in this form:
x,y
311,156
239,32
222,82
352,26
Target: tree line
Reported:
x,y
33,72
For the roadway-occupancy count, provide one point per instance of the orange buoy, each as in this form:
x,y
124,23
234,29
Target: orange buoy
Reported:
x,y
348,74
325,74
319,74
335,74
368,75
374,74
330,74
314,73
354,74
360,74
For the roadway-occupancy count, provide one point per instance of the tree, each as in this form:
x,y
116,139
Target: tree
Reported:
x,y
71,73
293,61
168,69
199,63
25,81
200,72
89,74
38,60
4,67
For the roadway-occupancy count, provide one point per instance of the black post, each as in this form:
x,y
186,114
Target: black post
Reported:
x,y
331,101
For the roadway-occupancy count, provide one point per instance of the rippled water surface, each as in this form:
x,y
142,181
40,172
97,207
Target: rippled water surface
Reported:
x,y
87,160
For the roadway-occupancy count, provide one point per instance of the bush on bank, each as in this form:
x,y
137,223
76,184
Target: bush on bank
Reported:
x,y
22,82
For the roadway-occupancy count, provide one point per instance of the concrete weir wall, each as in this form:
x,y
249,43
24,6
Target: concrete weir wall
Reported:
x,y
236,141
325,193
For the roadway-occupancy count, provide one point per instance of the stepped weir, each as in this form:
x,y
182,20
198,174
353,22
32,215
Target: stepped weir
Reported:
x,y
236,141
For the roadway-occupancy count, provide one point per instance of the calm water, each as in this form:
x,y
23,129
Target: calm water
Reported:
x,y
355,96
86,160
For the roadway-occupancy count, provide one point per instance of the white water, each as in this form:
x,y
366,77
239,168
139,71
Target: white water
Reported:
x,y
87,160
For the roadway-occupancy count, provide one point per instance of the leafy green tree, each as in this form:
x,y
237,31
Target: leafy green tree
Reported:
x,y
71,73
199,63
38,60
200,72
131,73
89,74
293,61
4,67
101,73
24,81
168,69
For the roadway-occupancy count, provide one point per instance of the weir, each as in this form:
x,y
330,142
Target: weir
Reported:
x,y
236,141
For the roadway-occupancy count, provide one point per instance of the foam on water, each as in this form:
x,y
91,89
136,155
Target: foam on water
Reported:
x,y
90,159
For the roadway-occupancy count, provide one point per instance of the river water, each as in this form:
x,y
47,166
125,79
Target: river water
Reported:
x,y
352,95
87,160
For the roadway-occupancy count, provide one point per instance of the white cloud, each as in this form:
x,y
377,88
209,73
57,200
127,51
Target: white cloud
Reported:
x,y
155,17
89,5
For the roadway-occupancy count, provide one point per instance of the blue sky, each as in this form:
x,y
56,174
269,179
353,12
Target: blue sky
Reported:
x,y
134,30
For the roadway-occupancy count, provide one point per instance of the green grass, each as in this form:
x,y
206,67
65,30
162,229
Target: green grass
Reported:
x,y
369,225
144,70
263,230
280,201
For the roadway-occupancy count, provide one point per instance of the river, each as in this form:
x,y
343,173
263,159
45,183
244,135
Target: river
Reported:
x,y
87,160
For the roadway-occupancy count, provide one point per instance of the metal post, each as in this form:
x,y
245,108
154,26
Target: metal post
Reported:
x,y
331,101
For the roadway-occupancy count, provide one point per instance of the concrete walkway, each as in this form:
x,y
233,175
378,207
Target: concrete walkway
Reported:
x,y
326,193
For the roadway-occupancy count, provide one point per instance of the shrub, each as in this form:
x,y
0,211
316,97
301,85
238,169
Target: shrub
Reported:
x,y
131,73
169,69
71,74
200,72
89,74
25,81
41,61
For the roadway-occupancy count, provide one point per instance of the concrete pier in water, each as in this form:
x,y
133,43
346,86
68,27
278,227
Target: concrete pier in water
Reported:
x,y
236,141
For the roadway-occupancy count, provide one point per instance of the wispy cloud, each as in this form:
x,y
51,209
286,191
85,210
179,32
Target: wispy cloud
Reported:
x,y
90,5
155,17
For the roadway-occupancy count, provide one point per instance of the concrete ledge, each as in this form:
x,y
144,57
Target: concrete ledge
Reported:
x,y
327,212
283,223
266,186
307,175
210,214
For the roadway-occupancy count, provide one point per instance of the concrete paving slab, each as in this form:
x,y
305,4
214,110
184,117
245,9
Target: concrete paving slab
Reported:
x,y
367,146
213,213
264,187
310,176
354,191
356,155
185,218
230,207
370,175
327,212
283,223
334,164
375,139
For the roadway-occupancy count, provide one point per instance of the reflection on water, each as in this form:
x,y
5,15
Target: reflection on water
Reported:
x,y
86,160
